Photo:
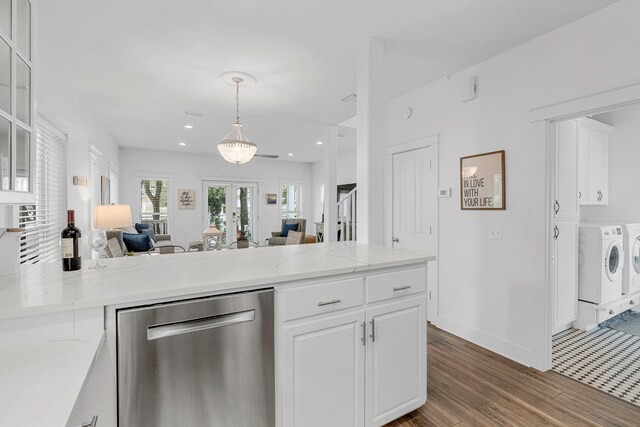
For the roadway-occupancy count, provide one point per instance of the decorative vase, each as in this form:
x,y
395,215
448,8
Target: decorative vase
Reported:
x,y
243,244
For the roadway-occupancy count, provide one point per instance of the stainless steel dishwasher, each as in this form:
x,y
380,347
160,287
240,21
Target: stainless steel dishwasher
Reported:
x,y
202,362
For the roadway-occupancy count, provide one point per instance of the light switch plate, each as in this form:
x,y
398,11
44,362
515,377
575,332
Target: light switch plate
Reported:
x,y
495,233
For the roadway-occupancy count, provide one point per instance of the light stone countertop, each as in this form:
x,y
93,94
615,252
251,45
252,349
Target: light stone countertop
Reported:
x,y
40,381
45,288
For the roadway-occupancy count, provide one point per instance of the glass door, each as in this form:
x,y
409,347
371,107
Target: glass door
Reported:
x,y
231,208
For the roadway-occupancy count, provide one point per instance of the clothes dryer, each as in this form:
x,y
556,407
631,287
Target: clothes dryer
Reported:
x,y
631,270
600,263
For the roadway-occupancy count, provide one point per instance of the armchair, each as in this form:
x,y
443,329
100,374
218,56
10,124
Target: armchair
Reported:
x,y
276,236
163,241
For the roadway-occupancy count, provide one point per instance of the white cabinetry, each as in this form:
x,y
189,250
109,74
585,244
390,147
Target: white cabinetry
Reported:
x,y
351,352
566,169
396,355
324,371
97,399
593,162
565,273
566,211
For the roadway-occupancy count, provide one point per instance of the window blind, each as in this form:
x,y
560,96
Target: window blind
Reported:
x,y
45,220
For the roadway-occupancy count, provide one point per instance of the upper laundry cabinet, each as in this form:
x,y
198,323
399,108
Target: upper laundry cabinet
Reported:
x,y
593,162
17,129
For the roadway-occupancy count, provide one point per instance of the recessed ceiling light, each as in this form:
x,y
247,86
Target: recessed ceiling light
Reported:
x,y
319,142
188,126
182,144
290,154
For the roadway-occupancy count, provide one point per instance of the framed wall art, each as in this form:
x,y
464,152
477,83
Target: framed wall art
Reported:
x,y
186,198
271,198
482,181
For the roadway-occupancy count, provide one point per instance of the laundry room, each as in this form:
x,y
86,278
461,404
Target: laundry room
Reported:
x,y
595,268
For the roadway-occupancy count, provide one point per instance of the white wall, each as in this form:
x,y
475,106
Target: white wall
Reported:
x,y
492,292
61,101
624,153
189,170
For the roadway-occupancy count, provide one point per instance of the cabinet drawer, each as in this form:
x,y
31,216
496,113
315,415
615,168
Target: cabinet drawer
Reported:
x,y
393,285
322,298
630,301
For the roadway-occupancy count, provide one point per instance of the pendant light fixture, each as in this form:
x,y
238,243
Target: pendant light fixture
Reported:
x,y
236,147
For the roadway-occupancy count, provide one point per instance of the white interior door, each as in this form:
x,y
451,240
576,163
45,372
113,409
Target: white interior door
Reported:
x,y
414,200
415,208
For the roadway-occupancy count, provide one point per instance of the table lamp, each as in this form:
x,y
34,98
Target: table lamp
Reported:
x,y
112,216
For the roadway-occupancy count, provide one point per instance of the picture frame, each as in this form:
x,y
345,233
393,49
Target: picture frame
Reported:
x,y
483,182
105,190
271,198
186,198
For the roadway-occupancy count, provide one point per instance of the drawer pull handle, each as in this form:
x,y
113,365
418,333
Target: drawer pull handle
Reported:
x,y
92,423
611,311
401,288
632,302
333,301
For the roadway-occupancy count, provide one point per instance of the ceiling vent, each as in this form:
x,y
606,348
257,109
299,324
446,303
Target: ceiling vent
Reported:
x,y
351,98
194,113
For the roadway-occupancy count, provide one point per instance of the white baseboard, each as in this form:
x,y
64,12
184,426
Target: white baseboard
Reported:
x,y
497,345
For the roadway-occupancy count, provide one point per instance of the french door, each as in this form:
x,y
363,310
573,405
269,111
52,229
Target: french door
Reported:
x,y
232,208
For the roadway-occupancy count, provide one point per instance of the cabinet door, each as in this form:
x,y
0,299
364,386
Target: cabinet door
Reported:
x,y
565,275
583,166
396,359
323,371
598,168
567,171
97,397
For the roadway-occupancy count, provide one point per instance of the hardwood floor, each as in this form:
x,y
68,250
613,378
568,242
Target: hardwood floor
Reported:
x,y
471,386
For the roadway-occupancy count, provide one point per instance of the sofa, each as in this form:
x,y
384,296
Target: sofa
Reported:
x,y
163,242
277,238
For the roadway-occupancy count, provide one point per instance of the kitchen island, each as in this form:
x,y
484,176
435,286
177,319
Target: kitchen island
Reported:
x,y
363,286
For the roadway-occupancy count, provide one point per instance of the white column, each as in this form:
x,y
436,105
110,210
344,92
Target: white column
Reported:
x,y
370,143
331,186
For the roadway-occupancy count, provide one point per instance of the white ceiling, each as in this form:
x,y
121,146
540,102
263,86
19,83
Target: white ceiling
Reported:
x,y
141,64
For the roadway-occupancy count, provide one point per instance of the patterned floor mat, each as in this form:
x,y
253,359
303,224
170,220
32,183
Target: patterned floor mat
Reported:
x,y
603,358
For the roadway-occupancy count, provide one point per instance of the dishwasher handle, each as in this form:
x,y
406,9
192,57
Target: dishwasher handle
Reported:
x,y
188,326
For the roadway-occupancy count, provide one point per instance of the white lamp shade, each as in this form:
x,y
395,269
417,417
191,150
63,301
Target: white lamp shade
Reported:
x,y
112,216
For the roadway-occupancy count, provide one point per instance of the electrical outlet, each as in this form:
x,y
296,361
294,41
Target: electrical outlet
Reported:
x,y
495,233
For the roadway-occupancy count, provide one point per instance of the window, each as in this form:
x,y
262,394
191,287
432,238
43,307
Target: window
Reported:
x,y
154,204
290,201
44,221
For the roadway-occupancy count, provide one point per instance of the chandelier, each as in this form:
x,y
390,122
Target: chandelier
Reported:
x,y
236,147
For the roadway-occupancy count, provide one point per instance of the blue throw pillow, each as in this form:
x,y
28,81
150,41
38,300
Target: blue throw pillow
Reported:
x,y
286,228
150,232
140,227
137,242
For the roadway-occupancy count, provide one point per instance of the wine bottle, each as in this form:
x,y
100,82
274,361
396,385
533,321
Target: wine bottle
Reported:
x,y
70,244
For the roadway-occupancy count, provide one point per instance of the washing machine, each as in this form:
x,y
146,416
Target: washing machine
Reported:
x,y
601,260
631,270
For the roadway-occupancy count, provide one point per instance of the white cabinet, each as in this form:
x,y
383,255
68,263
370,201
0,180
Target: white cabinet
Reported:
x,y
323,379
566,170
593,162
341,361
17,112
396,356
565,275
97,398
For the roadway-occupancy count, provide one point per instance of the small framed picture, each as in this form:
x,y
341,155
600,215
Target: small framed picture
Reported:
x,y
271,198
482,182
186,198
